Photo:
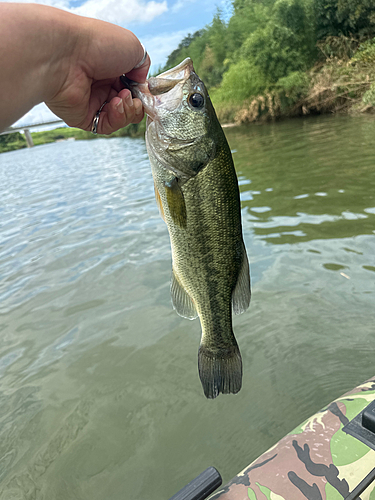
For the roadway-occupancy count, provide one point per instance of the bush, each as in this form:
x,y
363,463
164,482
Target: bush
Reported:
x,y
286,44
242,81
275,50
366,53
292,88
9,142
369,96
340,47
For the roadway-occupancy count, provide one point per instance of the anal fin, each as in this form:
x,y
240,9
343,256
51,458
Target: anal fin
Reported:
x,y
181,300
242,293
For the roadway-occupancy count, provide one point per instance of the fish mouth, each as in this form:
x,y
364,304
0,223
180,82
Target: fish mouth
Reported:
x,y
169,79
162,92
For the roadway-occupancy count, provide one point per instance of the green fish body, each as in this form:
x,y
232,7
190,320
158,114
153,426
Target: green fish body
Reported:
x,y
197,192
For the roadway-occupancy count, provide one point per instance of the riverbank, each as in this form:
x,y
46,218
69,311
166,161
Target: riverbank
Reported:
x,y
345,86
16,140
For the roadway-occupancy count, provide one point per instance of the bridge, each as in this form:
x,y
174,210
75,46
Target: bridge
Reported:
x,y
26,129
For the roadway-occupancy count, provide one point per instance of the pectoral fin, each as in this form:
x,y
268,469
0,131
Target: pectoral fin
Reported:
x,y
181,300
242,293
159,203
176,202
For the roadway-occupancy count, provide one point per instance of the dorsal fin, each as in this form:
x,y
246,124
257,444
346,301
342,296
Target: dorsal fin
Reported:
x,y
181,300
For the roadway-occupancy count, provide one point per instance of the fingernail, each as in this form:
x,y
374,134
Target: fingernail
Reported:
x,y
120,107
129,100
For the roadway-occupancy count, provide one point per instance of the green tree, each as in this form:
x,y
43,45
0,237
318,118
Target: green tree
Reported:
x,y
243,80
285,44
217,38
13,137
184,48
15,140
248,16
345,17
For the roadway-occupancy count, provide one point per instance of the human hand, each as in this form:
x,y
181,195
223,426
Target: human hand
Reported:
x,y
89,75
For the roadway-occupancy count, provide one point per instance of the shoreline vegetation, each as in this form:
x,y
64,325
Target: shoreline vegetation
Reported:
x,y
271,59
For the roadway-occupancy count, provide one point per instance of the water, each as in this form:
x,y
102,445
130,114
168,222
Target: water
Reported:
x,y
99,392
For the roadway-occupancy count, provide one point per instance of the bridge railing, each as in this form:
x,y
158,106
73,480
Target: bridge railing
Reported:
x,y
26,130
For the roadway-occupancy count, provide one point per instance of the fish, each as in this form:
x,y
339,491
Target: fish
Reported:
x,y
197,193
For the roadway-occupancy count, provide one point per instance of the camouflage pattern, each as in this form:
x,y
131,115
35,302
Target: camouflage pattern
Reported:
x,y
316,461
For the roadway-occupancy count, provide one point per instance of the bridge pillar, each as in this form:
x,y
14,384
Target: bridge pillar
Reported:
x,y
29,139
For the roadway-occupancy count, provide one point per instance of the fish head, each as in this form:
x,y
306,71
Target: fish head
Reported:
x,y
182,127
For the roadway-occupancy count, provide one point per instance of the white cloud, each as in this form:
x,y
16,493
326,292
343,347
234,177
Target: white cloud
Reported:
x,y
114,11
120,12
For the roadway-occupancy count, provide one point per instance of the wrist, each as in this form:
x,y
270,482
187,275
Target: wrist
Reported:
x,y
33,38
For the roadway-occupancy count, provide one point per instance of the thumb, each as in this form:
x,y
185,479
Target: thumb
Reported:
x,y
114,51
140,74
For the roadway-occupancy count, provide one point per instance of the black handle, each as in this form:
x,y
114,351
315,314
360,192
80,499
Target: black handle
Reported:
x,y
200,487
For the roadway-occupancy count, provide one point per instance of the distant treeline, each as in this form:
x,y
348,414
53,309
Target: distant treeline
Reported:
x,y
285,57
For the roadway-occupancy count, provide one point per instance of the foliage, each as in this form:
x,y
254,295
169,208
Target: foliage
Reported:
x,y
274,50
345,17
365,53
266,60
292,88
369,96
242,81
286,43
191,46
13,137
340,47
9,142
248,16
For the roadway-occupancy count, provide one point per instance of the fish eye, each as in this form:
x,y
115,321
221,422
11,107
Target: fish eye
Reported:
x,y
196,101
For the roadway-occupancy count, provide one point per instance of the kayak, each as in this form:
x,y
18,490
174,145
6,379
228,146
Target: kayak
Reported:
x,y
327,457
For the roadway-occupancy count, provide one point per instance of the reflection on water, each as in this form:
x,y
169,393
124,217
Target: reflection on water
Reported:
x,y
99,395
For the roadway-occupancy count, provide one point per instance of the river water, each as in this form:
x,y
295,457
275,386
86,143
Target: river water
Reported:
x,y
99,391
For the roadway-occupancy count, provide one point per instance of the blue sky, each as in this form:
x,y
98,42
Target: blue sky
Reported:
x,y
159,24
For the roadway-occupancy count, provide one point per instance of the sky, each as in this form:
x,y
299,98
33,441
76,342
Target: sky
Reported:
x,y
159,24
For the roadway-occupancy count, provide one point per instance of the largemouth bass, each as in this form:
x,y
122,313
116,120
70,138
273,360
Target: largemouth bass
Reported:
x,y
198,197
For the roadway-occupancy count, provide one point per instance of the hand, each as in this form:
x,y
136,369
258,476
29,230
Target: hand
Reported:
x,y
103,54
71,63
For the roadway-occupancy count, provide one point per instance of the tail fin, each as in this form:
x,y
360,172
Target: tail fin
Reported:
x,y
221,371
